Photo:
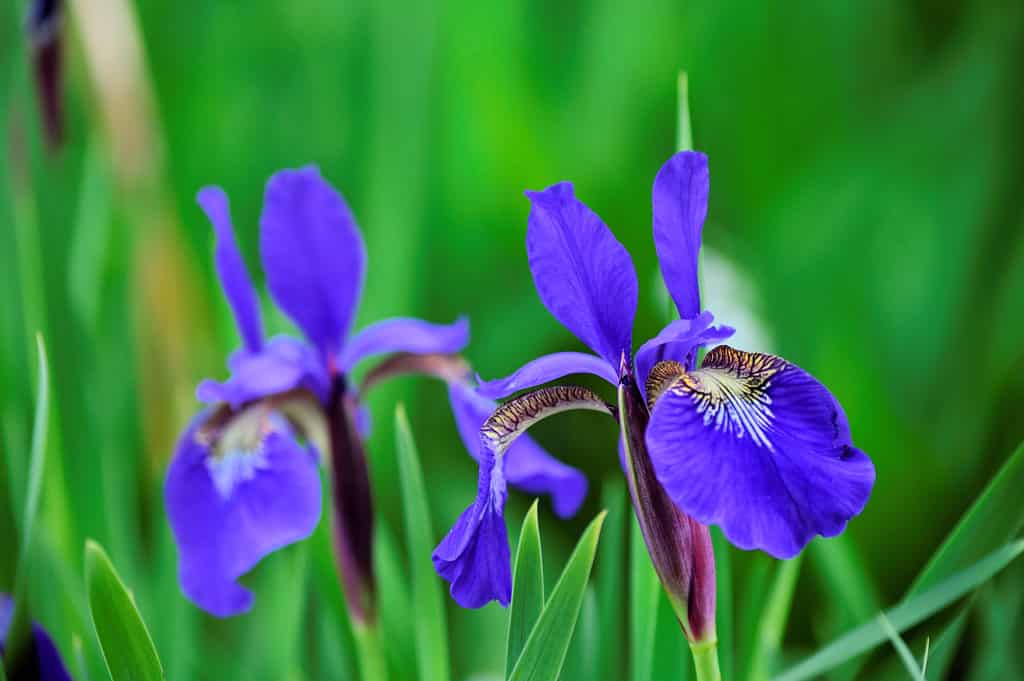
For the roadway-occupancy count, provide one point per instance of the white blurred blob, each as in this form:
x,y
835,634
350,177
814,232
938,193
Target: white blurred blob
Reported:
x,y
727,292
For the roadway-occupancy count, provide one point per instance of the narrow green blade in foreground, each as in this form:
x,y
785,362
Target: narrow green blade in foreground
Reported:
x,y
768,642
992,520
545,649
128,650
428,602
903,616
20,626
527,588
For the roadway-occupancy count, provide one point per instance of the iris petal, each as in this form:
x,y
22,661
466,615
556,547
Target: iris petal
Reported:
x,y
678,341
234,277
405,334
47,664
583,275
548,368
283,363
474,556
227,512
527,465
757,445
680,204
313,255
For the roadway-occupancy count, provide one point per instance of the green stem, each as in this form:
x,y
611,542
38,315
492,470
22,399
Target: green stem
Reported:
x,y
705,660
371,655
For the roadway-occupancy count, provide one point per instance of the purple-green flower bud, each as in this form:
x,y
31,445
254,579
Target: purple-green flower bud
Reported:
x,y
679,547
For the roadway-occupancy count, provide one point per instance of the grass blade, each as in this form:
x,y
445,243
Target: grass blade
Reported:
x,y
611,579
724,603
431,627
127,647
18,634
548,643
908,613
768,638
992,520
644,592
901,647
527,588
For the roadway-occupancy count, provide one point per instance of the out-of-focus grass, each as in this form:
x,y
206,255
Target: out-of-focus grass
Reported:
x,y
866,161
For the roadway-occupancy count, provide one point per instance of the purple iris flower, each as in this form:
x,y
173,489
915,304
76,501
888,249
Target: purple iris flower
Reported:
x,y
746,441
45,663
245,480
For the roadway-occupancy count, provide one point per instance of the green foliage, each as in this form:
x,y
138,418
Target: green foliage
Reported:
x,y
545,649
427,606
127,647
869,196
527,588
908,613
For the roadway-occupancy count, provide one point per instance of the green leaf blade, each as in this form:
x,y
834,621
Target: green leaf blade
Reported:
x,y
427,598
545,650
127,647
527,588
991,521
908,613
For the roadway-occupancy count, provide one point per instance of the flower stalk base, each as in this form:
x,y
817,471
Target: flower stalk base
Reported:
x,y
705,660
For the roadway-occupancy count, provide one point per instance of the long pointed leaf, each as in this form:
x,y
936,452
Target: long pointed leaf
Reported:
x,y
127,647
724,613
773,620
18,635
908,613
644,590
428,603
527,588
992,520
901,647
611,570
545,649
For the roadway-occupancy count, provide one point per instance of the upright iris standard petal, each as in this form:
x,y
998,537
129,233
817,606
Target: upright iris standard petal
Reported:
x,y
256,491
474,556
313,255
757,445
283,364
527,465
234,277
405,334
583,275
680,203
46,663
548,368
679,342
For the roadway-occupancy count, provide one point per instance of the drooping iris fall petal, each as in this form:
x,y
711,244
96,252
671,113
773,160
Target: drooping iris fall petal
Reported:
x,y
527,465
474,556
229,506
583,274
758,446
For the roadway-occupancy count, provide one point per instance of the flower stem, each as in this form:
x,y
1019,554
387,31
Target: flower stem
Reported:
x,y
705,660
371,655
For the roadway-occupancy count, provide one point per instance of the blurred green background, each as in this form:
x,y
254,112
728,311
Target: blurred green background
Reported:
x,y
866,163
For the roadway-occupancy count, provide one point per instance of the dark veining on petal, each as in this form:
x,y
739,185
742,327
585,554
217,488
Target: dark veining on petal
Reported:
x,y
730,391
661,376
513,418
